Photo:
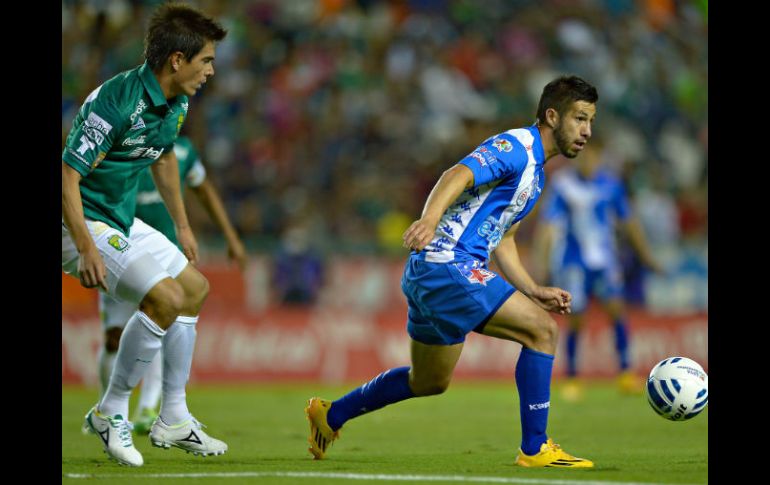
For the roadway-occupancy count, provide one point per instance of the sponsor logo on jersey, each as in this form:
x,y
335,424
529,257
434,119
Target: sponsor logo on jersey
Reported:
x,y
502,145
522,198
138,124
95,127
179,122
492,231
184,106
135,141
148,152
118,242
474,273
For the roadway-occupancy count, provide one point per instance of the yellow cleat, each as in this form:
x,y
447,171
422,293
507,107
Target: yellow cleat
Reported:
x,y
630,383
551,455
321,435
572,390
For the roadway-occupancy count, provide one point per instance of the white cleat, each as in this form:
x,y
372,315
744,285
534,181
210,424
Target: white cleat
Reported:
x,y
188,436
115,434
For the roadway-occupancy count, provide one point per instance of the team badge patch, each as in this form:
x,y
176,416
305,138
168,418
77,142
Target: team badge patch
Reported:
x,y
502,145
118,242
474,273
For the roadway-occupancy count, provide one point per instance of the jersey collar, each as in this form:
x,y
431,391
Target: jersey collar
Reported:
x,y
152,86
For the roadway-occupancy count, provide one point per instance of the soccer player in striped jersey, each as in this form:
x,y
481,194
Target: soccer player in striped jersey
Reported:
x,y
585,205
471,215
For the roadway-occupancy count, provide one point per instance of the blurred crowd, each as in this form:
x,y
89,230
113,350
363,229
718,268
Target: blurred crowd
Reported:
x,y
333,118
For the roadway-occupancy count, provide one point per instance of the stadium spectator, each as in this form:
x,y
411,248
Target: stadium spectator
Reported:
x,y
473,213
125,125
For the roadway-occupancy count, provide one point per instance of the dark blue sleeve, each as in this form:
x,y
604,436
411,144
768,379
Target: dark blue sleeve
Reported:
x,y
620,201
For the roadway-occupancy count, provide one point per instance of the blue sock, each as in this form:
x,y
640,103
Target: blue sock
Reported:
x,y
572,338
389,387
533,379
621,342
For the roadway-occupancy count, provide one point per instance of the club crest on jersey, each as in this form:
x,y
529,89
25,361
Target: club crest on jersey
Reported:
x,y
474,273
502,145
118,242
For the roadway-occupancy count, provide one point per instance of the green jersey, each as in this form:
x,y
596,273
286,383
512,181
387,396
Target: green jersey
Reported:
x,y
124,126
149,204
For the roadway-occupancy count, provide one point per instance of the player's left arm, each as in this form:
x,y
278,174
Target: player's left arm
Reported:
x,y
165,174
633,230
506,255
209,197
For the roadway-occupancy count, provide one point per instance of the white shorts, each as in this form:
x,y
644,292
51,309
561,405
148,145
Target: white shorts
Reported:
x,y
134,264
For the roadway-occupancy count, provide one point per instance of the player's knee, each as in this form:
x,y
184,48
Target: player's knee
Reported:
x,y
164,302
196,290
429,388
547,334
112,339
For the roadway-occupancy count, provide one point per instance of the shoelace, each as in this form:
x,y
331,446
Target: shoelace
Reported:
x,y
124,431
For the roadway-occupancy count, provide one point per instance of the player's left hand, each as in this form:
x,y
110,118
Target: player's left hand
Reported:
x,y
189,244
553,299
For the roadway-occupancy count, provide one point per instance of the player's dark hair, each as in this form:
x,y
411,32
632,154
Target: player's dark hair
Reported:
x,y
560,93
178,27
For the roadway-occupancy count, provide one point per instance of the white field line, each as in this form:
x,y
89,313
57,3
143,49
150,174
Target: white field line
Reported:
x,y
361,476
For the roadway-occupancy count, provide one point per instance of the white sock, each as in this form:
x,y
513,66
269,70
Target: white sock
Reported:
x,y
178,346
106,363
139,343
152,383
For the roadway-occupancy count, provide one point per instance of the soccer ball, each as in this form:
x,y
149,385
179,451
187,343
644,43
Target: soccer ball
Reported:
x,y
677,388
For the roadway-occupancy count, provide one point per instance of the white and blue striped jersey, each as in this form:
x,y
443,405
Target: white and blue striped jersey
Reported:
x,y
585,210
508,179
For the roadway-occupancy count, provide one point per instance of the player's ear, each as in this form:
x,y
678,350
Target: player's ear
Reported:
x,y
552,117
175,60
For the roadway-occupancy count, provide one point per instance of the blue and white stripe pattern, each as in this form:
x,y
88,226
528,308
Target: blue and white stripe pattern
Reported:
x,y
508,180
677,389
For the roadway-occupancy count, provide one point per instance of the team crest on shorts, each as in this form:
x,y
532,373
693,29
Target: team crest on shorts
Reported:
x,y
474,273
118,242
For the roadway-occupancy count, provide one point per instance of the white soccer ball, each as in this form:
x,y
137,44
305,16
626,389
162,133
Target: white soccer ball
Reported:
x,y
678,388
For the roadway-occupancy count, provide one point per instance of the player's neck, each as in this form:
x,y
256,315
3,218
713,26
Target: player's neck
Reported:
x,y
550,149
166,83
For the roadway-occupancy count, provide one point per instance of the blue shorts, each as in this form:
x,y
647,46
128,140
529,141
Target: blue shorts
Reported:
x,y
448,300
583,282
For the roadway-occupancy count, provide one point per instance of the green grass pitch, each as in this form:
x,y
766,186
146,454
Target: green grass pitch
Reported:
x,y
470,431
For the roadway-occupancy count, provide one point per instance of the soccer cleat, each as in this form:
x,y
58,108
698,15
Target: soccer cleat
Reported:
x,y
572,390
321,434
551,455
630,383
115,434
188,436
144,420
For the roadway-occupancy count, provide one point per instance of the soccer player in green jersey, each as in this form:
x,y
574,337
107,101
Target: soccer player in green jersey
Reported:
x,y
125,125
115,313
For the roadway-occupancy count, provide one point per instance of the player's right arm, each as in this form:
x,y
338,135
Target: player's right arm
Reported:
x,y
448,188
90,265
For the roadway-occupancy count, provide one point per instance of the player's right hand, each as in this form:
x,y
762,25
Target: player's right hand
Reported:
x,y
91,269
419,235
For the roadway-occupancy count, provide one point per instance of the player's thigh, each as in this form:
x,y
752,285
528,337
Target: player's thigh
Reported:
x,y
432,366
131,270
519,319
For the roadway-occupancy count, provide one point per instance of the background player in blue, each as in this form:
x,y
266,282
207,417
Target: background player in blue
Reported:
x,y
471,214
584,205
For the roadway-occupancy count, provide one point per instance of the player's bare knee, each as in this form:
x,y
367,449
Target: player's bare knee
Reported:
x,y
196,289
164,302
546,335
429,387
112,339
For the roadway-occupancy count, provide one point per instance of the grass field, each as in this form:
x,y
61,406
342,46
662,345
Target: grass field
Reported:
x,y
470,434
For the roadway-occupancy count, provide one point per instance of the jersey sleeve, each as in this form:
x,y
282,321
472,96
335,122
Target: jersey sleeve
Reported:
x,y
97,126
196,175
495,159
620,202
